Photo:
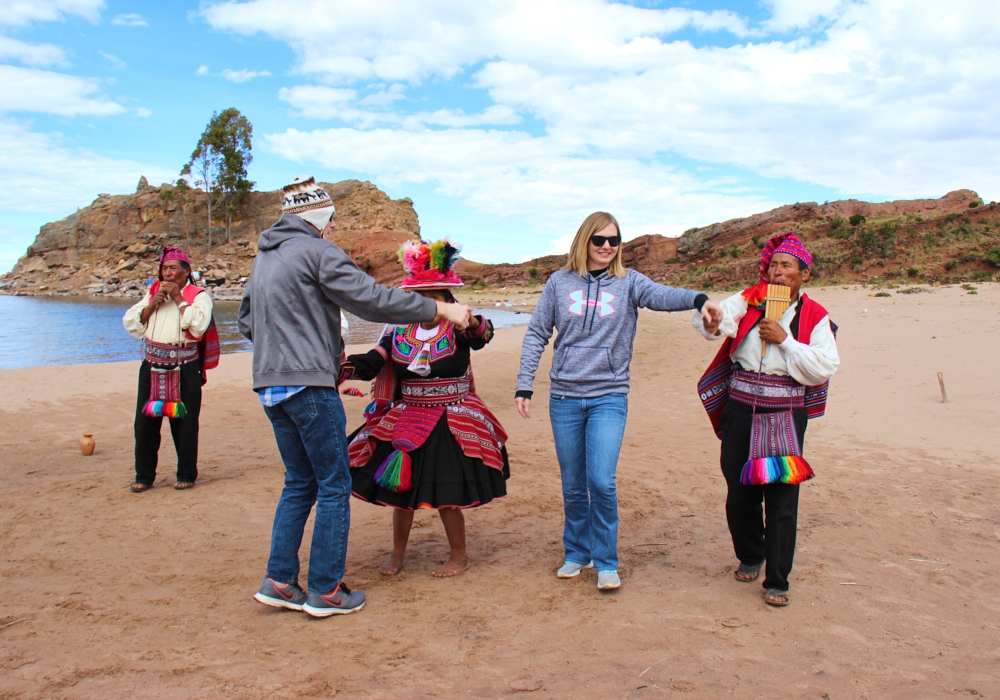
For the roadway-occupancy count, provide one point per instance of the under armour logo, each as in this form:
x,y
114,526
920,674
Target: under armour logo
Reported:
x,y
604,305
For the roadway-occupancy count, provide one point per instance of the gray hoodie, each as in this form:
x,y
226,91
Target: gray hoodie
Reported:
x,y
291,307
596,318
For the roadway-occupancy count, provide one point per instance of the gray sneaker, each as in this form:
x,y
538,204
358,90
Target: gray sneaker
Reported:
x,y
571,569
608,580
281,595
342,601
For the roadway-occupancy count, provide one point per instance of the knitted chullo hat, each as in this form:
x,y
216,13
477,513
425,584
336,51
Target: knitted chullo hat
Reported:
x,y
170,252
310,201
787,243
430,265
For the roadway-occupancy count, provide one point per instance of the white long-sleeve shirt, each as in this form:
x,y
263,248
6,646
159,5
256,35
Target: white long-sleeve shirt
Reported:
x,y
808,364
167,324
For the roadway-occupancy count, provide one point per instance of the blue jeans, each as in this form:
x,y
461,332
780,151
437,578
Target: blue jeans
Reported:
x,y
588,436
311,430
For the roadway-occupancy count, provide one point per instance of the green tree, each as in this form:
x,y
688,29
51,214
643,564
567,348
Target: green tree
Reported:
x,y
205,167
182,193
231,134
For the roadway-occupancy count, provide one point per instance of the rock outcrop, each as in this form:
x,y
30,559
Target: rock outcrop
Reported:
x,y
111,246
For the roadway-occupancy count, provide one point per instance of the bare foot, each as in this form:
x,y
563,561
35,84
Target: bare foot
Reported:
x,y
393,565
452,567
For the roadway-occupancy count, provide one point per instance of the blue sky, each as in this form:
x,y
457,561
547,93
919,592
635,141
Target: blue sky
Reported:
x,y
507,122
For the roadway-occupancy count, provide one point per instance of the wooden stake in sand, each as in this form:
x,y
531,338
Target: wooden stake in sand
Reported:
x,y
944,394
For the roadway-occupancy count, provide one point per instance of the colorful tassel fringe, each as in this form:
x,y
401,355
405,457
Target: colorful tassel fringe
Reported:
x,y
776,470
395,474
165,409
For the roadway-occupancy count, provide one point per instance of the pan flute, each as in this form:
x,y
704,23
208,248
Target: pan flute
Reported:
x,y
779,298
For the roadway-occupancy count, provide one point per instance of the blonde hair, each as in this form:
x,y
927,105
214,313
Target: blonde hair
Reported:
x,y
578,258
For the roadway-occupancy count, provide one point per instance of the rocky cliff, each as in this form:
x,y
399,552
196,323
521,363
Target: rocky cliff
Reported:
x,y
111,246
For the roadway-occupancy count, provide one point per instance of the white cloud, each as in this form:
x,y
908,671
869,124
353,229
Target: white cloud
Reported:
x,y
858,96
32,164
242,76
321,102
143,112
202,70
21,12
113,60
129,20
508,173
33,90
31,54
397,41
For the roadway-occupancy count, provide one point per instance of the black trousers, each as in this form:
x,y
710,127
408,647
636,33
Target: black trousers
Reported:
x,y
184,430
754,539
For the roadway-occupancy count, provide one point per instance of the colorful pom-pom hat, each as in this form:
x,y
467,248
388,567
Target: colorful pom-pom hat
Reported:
x,y
430,265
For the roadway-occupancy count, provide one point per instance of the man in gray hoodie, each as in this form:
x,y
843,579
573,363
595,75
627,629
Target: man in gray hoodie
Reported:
x,y
291,313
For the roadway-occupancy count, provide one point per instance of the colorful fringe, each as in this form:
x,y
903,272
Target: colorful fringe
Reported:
x,y
776,470
164,409
395,473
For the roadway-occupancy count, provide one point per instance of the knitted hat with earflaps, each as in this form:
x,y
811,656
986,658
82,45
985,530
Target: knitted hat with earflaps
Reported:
x,y
308,200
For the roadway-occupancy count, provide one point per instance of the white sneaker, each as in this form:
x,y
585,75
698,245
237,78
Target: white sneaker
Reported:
x,y
608,580
569,569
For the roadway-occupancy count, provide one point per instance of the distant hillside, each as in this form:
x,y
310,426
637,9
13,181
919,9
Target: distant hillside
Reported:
x,y
111,246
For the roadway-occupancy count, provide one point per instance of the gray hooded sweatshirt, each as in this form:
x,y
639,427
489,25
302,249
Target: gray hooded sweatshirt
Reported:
x,y
596,316
291,307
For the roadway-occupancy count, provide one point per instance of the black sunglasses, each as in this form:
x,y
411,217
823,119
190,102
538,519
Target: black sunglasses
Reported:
x,y
599,241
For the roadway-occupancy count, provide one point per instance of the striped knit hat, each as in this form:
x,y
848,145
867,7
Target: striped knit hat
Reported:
x,y
310,201
787,243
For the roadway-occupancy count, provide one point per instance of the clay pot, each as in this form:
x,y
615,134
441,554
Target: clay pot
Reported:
x,y
87,444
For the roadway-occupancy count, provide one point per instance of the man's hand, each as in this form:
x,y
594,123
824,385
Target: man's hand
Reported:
x,y
459,314
772,332
173,291
523,406
711,316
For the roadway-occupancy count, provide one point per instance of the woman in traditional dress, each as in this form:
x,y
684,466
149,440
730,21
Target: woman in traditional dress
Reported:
x,y
428,440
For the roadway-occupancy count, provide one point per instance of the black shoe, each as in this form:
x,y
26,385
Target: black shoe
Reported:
x,y
281,595
342,601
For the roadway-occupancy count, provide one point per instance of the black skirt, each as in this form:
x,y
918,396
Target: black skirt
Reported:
x,y
443,476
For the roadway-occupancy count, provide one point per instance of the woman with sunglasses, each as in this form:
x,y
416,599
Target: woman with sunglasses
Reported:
x,y
593,302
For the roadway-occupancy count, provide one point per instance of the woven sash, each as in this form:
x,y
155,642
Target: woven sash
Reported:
x,y
770,391
435,392
170,355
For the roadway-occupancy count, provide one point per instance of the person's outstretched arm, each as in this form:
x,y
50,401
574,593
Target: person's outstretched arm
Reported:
x,y
345,284
648,294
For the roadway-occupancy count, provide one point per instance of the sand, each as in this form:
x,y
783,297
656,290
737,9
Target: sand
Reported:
x,y
109,594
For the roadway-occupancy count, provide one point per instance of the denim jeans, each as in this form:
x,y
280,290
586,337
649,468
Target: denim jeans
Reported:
x,y
311,430
588,436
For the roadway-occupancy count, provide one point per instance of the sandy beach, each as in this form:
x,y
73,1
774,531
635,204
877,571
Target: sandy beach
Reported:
x,y
895,591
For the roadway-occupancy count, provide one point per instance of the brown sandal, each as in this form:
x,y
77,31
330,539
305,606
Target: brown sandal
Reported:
x,y
139,487
183,485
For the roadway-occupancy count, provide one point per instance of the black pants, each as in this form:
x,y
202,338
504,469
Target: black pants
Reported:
x,y
753,540
184,430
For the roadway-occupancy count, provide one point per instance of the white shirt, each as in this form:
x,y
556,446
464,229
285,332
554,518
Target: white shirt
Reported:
x,y
167,324
809,365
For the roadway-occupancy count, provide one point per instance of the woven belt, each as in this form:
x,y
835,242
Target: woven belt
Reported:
x,y
435,392
770,390
167,354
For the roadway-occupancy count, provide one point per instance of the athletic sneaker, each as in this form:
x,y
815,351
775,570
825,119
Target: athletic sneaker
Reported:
x,y
608,580
342,601
281,595
570,569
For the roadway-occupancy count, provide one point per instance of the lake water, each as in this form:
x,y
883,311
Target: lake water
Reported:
x,y
38,331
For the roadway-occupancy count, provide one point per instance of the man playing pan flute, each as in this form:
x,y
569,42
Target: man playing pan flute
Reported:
x,y
768,379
